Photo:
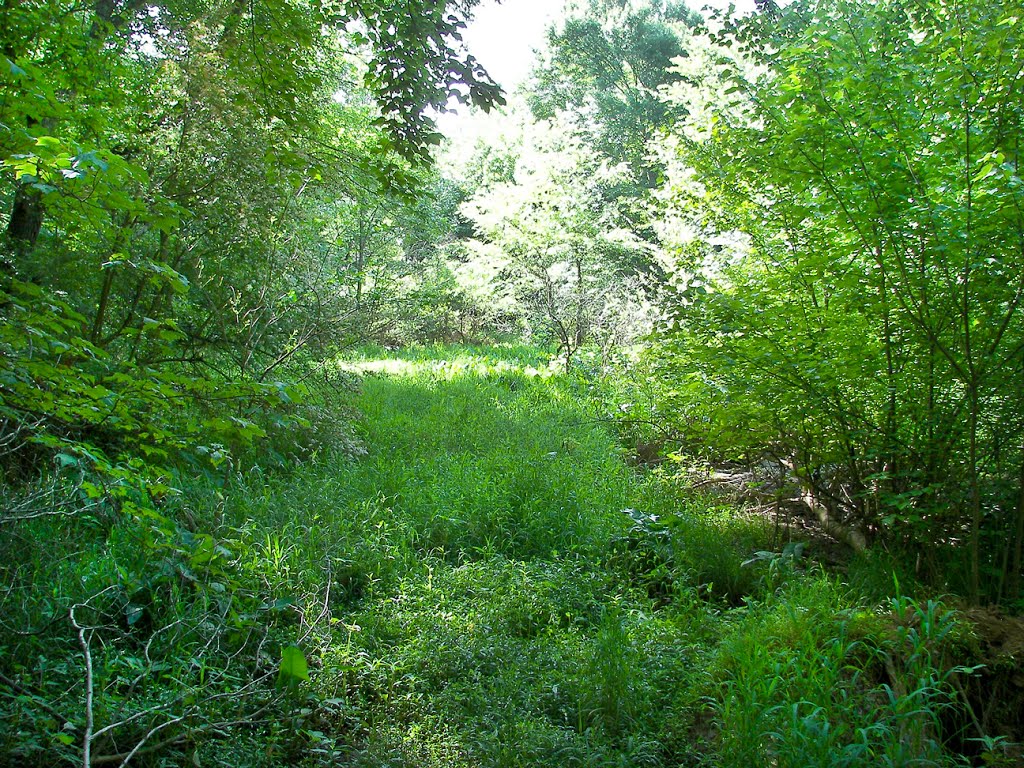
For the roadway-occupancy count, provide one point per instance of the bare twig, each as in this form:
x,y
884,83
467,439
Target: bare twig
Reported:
x,y
143,745
84,642
56,498
122,758
152,732
326,607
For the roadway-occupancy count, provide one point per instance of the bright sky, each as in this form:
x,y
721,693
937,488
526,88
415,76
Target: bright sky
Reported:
x,y
504,36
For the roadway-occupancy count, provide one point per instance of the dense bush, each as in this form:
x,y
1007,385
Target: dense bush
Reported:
x,y
848,289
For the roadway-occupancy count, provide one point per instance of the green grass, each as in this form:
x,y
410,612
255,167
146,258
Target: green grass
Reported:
x,y
489,585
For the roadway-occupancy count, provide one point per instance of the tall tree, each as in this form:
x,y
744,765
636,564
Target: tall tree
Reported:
x,y
605,66
163,165
572,266
866,305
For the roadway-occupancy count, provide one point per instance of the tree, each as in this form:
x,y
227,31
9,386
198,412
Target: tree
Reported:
x,y
866,308
169,282
571,267
605,66
158,148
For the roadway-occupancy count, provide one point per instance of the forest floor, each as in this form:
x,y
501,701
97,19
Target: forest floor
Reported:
x,y
483,579
508,591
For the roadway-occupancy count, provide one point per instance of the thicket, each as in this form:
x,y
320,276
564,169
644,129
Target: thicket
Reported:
x,y
202,201
846,205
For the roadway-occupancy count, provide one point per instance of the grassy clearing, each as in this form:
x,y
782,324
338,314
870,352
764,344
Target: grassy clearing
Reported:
x,y
490,585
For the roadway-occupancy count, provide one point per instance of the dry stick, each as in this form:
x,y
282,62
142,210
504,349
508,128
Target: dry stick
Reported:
x,y
87,742
124,757
327,605
136,716
46,502
152,732
140,748
63,509
84,642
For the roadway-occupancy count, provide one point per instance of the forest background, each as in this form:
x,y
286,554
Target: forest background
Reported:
x,y
782,252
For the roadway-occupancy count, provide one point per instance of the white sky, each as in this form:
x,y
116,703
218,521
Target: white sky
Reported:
x,y
504,36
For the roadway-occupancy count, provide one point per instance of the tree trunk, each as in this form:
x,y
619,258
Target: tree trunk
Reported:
x,y
1013,583
26,217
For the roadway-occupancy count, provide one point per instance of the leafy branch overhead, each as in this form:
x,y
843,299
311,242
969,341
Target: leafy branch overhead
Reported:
x,y
851,265
419,62
276,54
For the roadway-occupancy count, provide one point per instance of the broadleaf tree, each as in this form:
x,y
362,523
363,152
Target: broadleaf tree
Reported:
x,y
852,274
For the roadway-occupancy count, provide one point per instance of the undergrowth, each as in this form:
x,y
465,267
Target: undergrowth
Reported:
x,y
484,582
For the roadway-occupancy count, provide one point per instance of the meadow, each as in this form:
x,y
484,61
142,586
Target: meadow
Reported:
x,y
476,575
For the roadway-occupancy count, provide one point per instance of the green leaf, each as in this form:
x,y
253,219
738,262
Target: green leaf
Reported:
x,y
204,551
133,612
66,460
986,170
282,603
90,158
49,142
293,666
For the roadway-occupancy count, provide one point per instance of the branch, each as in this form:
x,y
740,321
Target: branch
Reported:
x,y
122,758
84,642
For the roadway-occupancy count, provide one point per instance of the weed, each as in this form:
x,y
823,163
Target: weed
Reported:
x,y
489,585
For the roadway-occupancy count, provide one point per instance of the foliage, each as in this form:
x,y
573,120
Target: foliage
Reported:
x,y
603,69
834,687
64,395
489,583
573,272
182,181
229,538
167,294
848,293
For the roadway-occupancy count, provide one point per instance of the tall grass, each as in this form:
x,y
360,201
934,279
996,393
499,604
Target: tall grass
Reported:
x,y
489,585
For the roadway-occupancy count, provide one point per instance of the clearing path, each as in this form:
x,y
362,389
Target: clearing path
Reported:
x,y
502,590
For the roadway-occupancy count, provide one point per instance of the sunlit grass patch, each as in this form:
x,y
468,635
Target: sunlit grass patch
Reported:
x,y
448,363
389,366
